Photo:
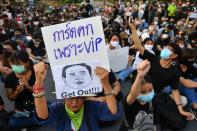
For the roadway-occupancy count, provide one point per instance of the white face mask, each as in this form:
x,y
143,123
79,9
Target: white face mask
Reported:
x,y
164,36
189,26
62,20
181,46
114,43
148,47
36,23
20,22
156,23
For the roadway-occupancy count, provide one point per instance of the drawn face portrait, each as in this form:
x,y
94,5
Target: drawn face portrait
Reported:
x,y
77,76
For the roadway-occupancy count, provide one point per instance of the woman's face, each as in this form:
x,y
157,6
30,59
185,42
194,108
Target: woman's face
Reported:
x,y
114,38
74,103
146,88
8,48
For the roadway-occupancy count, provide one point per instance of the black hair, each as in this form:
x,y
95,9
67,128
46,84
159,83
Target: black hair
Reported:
x,y
14,47
113,34
177,50
22,56
146,40
81,64
147,79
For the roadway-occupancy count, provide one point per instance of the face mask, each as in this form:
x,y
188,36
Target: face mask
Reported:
x,y
164,23
148,47
7,53
164,36
146,97
36,23
189,26
156,23
18,68
181,46
165,53
20,22
114,43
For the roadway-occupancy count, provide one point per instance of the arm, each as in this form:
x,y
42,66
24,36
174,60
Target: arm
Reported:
x,y
110,99
40,103
136,40
188,83
13,94
30,54
142,69
116,87
135,89
176,97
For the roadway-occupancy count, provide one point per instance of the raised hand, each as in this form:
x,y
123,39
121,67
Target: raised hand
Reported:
x,y
143,68
40,72
103,74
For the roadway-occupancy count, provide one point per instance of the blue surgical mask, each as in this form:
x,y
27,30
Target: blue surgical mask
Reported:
x,y
18,68
165,53
146,97
114,43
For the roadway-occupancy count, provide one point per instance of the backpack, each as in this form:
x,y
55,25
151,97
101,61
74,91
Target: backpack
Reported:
x,y
144,121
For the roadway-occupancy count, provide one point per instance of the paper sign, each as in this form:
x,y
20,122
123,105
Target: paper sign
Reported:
x,y
77,80
118,58
193,15
71,43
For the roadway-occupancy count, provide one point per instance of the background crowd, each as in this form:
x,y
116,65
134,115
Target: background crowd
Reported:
x,y
162,41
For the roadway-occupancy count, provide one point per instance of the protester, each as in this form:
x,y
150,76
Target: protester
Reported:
x,y
169,75
19,88
4,118
157,23
74,113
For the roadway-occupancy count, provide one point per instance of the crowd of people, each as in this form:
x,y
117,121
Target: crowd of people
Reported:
x,y
162,66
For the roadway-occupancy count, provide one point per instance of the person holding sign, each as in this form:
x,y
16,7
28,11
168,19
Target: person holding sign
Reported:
x,y
74,113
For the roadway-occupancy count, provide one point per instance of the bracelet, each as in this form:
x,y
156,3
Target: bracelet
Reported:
x,y
111,93
35,88
179,105
39,95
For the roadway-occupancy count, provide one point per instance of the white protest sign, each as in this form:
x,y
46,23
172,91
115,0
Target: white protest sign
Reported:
x,y
78,46
193,15
118,58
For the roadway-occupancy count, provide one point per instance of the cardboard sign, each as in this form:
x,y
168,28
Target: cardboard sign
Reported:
x,y
118,58
79,46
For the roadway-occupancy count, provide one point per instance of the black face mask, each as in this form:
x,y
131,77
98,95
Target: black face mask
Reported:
x,y
6,53
125,40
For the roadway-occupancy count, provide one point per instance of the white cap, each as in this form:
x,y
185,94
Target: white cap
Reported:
x,y
144,36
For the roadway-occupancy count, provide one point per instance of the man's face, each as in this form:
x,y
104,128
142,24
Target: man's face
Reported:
x,y
77,76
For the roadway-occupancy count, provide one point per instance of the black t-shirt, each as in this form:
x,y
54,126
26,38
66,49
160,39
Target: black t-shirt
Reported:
x,y
37,51
190,73
1,101
132,110
160,76
25,99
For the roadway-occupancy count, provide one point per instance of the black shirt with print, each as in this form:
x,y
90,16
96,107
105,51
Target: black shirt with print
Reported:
x,y
25,99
